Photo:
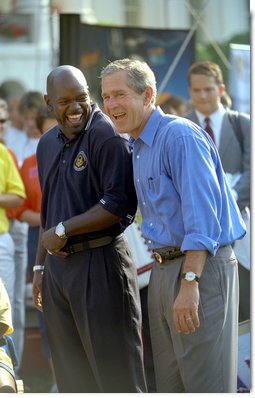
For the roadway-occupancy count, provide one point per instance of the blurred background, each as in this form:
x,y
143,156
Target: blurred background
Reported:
x,y
36,35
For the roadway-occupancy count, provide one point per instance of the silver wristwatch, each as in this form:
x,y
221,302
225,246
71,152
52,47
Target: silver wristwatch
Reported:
x,y
190,276
61,231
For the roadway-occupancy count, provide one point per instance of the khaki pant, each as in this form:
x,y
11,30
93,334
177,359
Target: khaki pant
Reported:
x,y
204,361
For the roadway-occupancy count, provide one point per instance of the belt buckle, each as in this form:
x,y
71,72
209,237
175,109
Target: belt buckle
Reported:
x,y
157,257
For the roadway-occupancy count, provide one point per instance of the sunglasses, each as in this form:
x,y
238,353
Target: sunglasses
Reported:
x,y
2,121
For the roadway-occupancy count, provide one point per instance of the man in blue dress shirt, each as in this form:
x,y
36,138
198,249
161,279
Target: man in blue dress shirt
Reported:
x,y
190,220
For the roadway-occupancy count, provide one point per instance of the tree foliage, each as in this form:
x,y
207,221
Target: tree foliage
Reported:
x,y
205,51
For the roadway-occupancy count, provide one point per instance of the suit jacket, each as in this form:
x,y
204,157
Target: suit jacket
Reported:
x,y
235,158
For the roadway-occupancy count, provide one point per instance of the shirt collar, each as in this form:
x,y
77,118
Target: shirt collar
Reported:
x,y
150,128
95,109
214,117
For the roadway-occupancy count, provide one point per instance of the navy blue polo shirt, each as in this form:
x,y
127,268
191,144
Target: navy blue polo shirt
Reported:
x,y
94,167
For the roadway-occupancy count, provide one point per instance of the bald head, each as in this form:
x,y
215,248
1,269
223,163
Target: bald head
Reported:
x,y
62,73
68,98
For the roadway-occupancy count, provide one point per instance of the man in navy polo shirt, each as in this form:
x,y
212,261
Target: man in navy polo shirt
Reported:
x,y
84,278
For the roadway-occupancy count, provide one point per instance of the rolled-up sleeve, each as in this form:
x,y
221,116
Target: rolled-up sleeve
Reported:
x,y
196,181
116,178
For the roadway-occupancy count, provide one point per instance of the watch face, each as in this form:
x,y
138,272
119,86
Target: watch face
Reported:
x,y
60,229
190,276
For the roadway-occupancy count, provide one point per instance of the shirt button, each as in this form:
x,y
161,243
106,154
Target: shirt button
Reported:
x,y
64,161
67,145
151,224
149,241
144,203
138,180
138,157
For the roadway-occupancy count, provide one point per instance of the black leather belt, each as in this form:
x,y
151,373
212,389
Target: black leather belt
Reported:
x,y
89,244
166,253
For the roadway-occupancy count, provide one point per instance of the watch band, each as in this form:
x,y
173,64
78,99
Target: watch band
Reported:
x,y
38,268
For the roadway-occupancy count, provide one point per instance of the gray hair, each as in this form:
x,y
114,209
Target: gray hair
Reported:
x,y
140,75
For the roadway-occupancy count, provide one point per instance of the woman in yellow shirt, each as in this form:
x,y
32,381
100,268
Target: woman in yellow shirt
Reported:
x,y
12,194
7,375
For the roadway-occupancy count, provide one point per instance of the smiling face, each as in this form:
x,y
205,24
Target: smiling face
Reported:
x,y
69,98
128,110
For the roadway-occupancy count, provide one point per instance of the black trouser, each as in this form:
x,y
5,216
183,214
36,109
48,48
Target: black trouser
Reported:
x,y
93,320
244,293
148,357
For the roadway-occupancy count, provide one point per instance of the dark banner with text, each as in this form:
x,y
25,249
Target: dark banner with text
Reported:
x,y
90,47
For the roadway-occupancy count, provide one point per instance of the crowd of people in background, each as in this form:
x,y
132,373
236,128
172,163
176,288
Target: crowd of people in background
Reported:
x,y
25,116
25,119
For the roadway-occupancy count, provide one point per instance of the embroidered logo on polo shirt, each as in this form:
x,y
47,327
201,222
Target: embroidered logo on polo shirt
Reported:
x,y
80,161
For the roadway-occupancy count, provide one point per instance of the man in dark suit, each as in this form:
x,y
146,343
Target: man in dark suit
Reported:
x,y
231,134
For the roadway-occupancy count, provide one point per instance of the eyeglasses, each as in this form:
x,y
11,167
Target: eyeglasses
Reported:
x,y
2,121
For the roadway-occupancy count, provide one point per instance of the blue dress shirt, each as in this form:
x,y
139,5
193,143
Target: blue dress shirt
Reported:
x,y
182,191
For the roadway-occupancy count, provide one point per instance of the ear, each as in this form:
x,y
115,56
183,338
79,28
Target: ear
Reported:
x,y
48,103
221,89
148,94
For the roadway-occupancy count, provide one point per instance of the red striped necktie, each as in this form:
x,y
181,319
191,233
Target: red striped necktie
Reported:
x,y
208,128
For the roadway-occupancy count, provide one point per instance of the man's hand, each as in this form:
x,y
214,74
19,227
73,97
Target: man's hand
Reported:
x,y
53,244
185,310
37,290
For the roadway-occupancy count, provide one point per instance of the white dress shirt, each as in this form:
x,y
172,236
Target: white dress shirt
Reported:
x,y
216,119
